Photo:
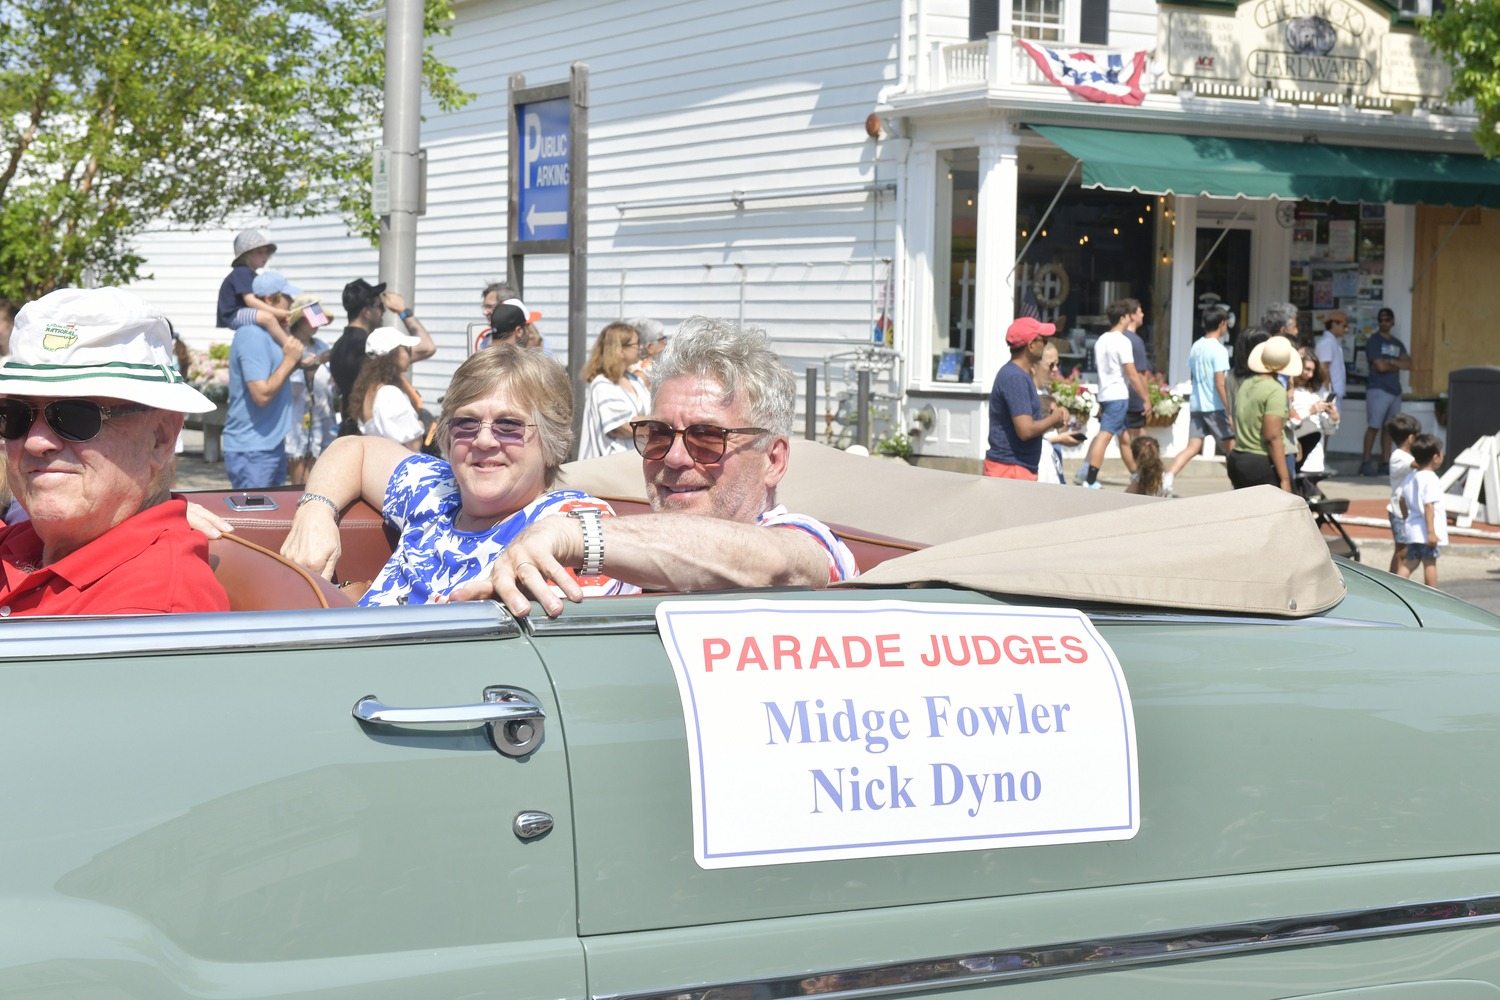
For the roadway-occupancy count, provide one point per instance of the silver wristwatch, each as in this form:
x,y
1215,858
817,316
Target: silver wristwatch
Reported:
x,y
309,497
593,540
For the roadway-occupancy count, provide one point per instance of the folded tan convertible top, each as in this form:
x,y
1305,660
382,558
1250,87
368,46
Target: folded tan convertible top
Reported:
x,y
1249,551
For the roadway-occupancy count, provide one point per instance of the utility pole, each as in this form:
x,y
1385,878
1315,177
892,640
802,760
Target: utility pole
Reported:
x,y
402,136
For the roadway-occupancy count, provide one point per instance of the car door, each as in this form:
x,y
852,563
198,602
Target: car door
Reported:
x,y
1286,769
191,809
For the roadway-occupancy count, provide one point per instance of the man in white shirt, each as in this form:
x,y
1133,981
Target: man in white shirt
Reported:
x,y
1114,359
1329,349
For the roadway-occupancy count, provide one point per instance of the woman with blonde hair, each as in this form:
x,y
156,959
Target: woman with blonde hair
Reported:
x,y
505,429
616,397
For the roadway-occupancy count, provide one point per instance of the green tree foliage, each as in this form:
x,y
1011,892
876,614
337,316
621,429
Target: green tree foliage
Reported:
x,y
1467,34
119,114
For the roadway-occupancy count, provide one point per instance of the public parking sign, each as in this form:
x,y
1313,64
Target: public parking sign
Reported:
x,y
543,200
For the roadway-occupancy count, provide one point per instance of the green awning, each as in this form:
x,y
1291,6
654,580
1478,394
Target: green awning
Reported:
x,y
1161,163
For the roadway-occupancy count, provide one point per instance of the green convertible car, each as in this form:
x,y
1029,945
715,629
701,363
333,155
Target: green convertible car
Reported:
x,y
1053,744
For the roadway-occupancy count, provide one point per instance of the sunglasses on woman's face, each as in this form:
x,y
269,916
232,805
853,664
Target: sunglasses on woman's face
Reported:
x,y
705,443
506,430
73,419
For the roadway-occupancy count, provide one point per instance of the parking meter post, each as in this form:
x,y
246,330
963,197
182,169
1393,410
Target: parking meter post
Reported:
x,y
402,128
578,239
811,432
862,419
516,272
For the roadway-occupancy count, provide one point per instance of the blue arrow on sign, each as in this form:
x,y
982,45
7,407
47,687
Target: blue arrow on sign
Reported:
x,y
543,202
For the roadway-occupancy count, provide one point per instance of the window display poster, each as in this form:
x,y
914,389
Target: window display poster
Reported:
x,y
1346,283
1301,294
1371,282
1372,241
1319,320
1341,240
1322,294
1304,238
1368,210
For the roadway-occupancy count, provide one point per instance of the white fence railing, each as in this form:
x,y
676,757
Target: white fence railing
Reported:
x,y
999,62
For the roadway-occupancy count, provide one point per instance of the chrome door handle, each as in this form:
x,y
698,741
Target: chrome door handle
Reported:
x,y
513,719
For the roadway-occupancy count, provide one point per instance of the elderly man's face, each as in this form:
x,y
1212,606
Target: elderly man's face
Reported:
x,y
738,486
75,491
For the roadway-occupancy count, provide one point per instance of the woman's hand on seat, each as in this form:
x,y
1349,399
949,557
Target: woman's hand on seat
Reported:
x,y
202,519
313,542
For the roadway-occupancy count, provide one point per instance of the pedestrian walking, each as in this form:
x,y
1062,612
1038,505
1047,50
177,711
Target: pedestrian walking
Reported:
x,y
615,396
1280,320
366,305
1114,359
1208,405
1422,507
1140,399
383,402
1017,422
260,400
314,419
1388,358
1261,441
239,305
1329,349
510,321
1401,428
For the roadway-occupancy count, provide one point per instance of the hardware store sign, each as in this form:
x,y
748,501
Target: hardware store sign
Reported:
x,y
1328,45
820,730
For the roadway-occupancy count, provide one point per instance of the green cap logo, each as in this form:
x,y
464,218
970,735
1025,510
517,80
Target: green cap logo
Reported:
x,y
58,336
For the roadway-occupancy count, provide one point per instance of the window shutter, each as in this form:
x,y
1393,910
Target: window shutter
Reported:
x,y
984,17
1093,22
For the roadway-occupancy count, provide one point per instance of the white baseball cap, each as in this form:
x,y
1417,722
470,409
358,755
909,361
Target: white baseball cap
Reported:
x,y
384,339
97,342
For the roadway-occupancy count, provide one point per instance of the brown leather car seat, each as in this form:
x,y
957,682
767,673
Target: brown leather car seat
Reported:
x,y
265,516
257,579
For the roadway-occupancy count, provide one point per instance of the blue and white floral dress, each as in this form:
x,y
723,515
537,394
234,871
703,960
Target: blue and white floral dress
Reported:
x,y
433,557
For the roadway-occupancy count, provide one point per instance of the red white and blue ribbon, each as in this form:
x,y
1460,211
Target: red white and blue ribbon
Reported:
x,y
1102,77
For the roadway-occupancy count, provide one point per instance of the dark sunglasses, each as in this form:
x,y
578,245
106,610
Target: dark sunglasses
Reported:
x,y
72,419
705,443
507,430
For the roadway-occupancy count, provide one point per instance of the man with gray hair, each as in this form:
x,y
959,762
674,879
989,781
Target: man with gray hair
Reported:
x,y
1281,320
715,448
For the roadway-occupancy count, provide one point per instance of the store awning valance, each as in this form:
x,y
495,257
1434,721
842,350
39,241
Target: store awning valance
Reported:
x,y
1162,163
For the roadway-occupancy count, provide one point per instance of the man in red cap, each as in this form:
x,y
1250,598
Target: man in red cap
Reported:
x,y
1016,421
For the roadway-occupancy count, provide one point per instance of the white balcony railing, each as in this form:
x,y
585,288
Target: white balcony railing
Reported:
x,y
999,62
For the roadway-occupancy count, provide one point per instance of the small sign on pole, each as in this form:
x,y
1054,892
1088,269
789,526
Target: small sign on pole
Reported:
x,y
380,181
548,199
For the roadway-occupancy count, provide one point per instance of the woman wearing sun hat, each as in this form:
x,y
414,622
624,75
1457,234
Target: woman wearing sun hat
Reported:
x,y
91,402
1262,441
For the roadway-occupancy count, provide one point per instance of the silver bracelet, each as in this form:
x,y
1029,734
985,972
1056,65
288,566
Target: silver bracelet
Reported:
x,y
313,496
593,540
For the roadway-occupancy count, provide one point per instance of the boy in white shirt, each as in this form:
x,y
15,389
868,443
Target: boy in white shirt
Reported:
x,y
1422,506
1114,359
1401,428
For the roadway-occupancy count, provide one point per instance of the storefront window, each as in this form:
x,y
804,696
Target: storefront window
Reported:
x,y
1094,248
1338,263
954,265
1039,19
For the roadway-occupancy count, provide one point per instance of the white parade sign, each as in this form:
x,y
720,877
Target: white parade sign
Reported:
x,y
819,730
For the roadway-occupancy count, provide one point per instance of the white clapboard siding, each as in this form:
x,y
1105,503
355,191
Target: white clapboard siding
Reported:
x,y
687,98
1132,24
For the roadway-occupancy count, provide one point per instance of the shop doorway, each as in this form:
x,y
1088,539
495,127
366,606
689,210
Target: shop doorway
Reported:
x,y
1225,279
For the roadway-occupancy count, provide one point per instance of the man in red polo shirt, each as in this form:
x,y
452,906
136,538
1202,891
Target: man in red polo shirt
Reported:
x,y
91,403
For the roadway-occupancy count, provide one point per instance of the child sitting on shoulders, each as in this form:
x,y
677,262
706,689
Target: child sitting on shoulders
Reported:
x,y
238,304
1422,507
1148,479
1401,428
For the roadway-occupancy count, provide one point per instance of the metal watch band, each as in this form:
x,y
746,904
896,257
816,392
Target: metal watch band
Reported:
x,y
593,540
313,496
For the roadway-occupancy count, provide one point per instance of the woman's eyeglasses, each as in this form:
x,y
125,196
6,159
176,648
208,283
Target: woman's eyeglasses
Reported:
x,y
705,443
73,419
506,430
